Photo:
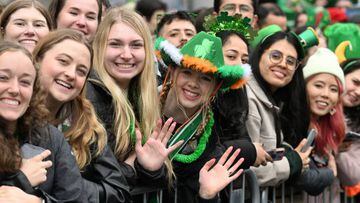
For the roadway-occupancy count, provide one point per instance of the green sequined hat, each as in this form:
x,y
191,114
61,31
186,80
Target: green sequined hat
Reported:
x,y
203,53
223,22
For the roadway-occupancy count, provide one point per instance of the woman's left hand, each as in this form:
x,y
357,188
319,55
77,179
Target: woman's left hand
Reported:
x,y
213,179
10,194
332,164
154,152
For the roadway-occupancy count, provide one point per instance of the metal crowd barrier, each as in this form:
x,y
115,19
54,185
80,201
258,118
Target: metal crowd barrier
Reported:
x,y
248,186
328,196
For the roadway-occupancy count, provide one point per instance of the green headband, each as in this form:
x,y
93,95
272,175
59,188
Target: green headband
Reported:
x,y
224,22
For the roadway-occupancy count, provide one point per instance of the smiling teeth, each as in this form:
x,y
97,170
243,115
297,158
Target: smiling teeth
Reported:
x,y
190,93
124,65
10,101
62,83
322,103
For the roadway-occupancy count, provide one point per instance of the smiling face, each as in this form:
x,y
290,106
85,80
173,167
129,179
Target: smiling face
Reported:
x,y
192,88
277,75
124,54
323,93
352,96
63,70
235,51
26,26
81,15
178,32
17,77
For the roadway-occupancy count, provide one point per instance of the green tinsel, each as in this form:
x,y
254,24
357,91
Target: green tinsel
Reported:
x,y
132,133
189,158
224,22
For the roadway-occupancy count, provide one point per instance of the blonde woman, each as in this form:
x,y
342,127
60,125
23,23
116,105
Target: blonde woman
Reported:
x,y
123,92
64,57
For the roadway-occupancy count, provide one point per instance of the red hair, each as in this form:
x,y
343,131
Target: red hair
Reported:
x,y
330,128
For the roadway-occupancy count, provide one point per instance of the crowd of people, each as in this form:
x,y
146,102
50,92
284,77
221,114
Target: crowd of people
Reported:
x,y
97,100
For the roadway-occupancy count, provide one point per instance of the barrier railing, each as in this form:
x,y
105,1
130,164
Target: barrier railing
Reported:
x,y
248,185
248,189
330,195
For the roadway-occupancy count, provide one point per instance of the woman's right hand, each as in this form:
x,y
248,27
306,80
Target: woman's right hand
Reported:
x,y
35,168
154,152
304,155
262,157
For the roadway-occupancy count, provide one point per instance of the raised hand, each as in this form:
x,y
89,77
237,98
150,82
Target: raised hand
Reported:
x,y
213,179
304,155
154,152
10,194
35,168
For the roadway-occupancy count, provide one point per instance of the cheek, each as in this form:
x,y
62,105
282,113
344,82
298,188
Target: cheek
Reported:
x,y
65,20
80,83
140,55
335,99
43,32
12,32
27,92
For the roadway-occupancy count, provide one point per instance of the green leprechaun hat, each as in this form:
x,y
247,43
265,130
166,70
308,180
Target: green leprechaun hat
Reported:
x,y
339,32
203,53
264,33
307,39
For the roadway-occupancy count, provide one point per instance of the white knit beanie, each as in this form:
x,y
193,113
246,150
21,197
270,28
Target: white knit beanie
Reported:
x,y
324,61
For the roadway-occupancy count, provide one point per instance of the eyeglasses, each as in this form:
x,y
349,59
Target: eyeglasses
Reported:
x,y
231,8
276,57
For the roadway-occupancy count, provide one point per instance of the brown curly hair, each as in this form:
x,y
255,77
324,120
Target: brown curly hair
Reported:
x,y
35,116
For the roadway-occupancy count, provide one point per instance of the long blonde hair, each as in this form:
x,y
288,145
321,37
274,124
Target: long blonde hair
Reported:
x,y
86,130
143,86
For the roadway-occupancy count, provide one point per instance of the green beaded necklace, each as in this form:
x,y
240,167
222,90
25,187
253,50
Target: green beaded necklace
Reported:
x,y
189,158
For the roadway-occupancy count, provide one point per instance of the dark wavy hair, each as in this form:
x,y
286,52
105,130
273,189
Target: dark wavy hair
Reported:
x,y
352,113
294,118
226,34
35,116
169,18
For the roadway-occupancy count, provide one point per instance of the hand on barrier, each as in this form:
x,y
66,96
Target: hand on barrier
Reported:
x,y
35,169
11,194
304,155
154,152
332,164
262,157
214,178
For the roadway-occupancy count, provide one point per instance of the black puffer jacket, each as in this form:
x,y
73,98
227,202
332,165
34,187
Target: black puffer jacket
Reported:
x,y
103,179
64,182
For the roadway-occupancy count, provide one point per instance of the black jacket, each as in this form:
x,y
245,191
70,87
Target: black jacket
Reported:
x,y
230,110
103,104
103,179
187,174
64,182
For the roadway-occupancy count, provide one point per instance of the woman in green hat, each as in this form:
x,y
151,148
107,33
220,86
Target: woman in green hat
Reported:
x,y
278,114
195,75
